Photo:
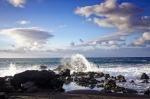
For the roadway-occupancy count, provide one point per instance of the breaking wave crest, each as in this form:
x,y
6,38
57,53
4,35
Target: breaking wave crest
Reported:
x,y
78,63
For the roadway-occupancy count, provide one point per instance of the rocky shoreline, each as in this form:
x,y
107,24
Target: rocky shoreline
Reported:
x,y
47,81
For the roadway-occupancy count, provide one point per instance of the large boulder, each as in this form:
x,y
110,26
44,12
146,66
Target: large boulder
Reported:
x,y
42,79
144,76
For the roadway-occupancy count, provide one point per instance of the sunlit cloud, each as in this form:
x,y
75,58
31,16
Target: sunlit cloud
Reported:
x,y
17,3
27,38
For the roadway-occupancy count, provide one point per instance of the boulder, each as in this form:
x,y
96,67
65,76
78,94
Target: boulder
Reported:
x,y
107,76
42,79
2,95
110,85
121,78
147,92
144,76
65,73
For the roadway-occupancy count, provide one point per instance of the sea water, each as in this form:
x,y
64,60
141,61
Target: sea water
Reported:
x,y
130,67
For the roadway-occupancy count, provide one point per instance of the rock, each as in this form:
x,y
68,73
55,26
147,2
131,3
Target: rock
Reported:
x,y
2,84
2,95
121,78
86,82
107,76
65,73
42,79
5,86
144,76
27,85
132,81
145,81
43,67
147,92
110,85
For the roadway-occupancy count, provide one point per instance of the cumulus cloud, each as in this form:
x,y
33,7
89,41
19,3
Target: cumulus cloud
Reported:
x,y
144,40
125,17
17,3
110,41
23,22
27,38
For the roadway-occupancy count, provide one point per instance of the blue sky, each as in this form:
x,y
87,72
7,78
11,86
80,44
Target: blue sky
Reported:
x,y
56,28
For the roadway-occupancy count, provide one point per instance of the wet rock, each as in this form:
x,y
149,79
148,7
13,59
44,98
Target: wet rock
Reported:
x,y
110,85
107,76
3,95
79,74
65,73
29,87
5,86
42,79
86,82
145,81
121,78
43,67
132,81
147,92
144,76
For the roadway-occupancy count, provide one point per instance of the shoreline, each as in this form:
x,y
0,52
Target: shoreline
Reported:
x,y
77,96
47,83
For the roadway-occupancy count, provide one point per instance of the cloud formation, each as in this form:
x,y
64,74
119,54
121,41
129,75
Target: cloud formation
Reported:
x,y
125,17
23,22
144,40
27,38
17,3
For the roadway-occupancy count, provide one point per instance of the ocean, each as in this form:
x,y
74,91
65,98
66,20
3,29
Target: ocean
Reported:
x,y
130,67
125,65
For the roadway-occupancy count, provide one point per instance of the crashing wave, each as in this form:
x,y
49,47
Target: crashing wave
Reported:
x,y
77,63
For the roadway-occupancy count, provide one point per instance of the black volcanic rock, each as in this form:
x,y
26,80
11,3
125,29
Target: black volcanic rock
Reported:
x,y
121,78
144,76
42,79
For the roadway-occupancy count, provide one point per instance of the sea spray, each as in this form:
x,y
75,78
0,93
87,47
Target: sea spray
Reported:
x,y
77,63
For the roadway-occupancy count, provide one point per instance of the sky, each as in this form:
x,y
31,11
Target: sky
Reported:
x,y
60,28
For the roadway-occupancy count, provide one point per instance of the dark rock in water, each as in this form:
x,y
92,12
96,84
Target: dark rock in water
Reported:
x,y
79,74
42,79
65,73
107,76
65,76
145,81
121,78
147,92
5,85
132,81
110,84
43,67
86,82
2,84
144,76
2,95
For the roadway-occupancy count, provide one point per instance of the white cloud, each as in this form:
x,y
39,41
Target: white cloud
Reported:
x,y
28,38
144,40
17,3
23,22
125,17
